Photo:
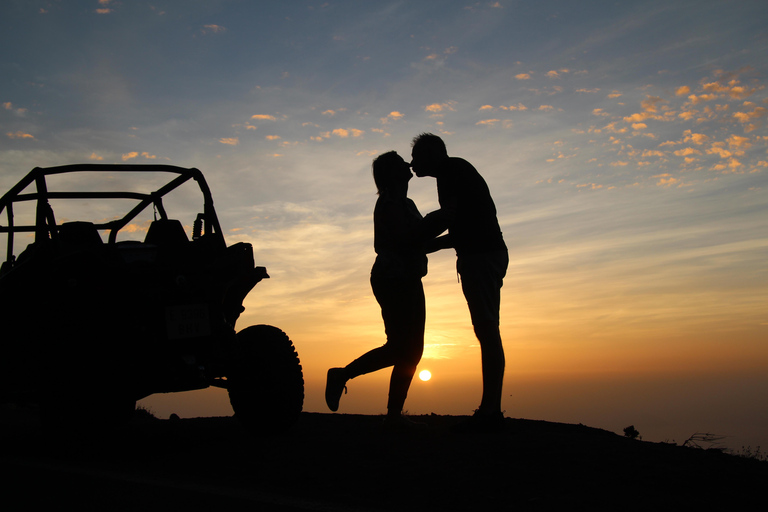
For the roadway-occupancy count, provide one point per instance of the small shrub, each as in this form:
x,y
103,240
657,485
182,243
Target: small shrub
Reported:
x,y
748,453
632,433
144,413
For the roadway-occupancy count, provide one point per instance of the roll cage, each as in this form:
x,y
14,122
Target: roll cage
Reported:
x,y
45,227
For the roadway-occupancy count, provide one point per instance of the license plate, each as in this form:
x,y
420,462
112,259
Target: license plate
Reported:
x,y
187,321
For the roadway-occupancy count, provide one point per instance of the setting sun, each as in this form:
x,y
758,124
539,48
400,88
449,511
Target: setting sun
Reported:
x,y
425,375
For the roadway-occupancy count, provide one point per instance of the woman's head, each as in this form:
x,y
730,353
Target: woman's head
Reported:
x,y
390,169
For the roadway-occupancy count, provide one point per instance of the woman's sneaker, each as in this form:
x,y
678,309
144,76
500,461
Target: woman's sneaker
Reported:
x,y
335,385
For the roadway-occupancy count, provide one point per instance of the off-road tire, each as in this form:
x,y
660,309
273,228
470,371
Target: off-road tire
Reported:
x,y
266,383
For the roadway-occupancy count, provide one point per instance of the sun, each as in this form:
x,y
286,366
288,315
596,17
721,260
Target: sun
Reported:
x,y
425,375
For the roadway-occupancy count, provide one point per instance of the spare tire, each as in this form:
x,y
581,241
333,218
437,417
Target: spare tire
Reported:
x,y
265,382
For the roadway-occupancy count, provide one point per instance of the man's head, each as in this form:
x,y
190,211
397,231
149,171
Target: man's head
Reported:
x,y
427,154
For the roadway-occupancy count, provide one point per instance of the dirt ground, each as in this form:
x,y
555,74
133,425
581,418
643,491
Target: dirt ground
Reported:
x,y
350,462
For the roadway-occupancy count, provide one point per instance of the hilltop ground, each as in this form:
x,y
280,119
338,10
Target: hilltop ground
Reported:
x,y
349,462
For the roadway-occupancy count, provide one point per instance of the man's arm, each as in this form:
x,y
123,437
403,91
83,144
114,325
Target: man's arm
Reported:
x,y
436,244
434,223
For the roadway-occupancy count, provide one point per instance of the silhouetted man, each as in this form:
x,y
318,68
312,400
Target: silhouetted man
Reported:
x,y
468,213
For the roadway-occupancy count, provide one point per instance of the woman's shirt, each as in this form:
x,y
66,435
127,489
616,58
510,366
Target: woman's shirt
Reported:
x,y
397,239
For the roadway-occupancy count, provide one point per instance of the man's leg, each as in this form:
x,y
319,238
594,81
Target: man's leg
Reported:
x,y
482,277
493,363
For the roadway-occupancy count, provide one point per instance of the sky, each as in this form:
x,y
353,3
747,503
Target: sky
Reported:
x,y
624,143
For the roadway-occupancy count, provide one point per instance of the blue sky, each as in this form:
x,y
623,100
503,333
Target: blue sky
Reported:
x,y
624,142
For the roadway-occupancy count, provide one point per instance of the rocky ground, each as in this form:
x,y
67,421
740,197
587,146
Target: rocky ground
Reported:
x,y
350,462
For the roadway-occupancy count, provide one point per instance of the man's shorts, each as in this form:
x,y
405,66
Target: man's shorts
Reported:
x,y
482,276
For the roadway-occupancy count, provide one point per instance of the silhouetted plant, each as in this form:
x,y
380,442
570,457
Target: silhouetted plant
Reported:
x,y
698,439
748,453
144,413
632,433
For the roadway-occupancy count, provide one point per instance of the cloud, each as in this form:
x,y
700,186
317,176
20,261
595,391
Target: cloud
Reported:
x,y
263,117
272,137
666,180
487,122
735,141
734,164
18,111
20,135
682,91
344,133
715,87
104,9
745,117
231,141
696,138
96,157
651,106
687,116
740,92
732,89
650,103
135,154
718,149
523,76
438,109
642,116
612,129
695,100
213,29
392,116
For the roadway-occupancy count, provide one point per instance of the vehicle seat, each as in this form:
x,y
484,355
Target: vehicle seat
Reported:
x,y
79,235
165,233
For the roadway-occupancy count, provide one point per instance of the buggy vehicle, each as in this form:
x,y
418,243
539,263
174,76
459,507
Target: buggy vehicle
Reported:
x,y
120,300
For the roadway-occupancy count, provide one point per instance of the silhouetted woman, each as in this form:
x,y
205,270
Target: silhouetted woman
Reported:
x,y
396,281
